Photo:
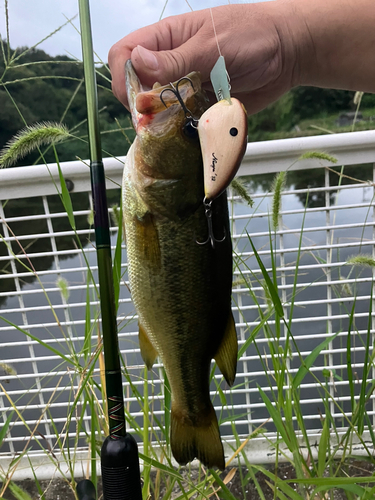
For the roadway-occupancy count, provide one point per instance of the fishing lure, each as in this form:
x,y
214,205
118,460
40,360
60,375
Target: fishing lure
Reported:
x,y
222,132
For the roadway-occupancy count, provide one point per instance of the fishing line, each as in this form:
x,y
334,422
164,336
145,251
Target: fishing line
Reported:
x,y
216,38
190,7
162,12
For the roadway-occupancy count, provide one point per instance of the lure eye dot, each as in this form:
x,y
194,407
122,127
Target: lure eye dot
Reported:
x,y
233,131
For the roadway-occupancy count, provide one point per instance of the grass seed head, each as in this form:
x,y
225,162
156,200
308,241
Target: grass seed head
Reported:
x,y
63,285
7,369
357,98
277,188
240,190
362,260
90,218
31,138
318,155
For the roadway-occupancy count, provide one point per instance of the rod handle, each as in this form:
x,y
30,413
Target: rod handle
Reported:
x,y
86,490
120,469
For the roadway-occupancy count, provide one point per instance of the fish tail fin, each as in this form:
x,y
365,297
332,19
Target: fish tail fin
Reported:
x,y
200,439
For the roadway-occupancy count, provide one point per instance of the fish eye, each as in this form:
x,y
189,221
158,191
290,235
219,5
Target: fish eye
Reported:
x,y
190,131
233,131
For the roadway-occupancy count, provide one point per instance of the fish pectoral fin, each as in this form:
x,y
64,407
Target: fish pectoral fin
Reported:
x,y
199,439
226,356
147,241
148,351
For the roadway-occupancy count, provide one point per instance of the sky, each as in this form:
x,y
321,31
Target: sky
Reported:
x,y
30,21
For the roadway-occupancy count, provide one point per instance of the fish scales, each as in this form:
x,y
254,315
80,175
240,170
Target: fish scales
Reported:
x,y
181,290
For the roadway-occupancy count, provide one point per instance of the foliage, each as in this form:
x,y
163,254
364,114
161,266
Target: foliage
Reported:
x,y
277,116
313,101
368,101
47,88
27,139
294,113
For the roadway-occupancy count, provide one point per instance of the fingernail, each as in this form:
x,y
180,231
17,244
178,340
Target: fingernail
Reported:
x,y
148,58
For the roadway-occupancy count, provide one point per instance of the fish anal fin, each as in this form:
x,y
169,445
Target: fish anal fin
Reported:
x,y
148,351
147,241
226,356
199,439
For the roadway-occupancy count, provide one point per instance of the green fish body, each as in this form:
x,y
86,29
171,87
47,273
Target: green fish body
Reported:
x,y
181,289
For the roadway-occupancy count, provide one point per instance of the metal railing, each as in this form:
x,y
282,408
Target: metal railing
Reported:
x,y
45,291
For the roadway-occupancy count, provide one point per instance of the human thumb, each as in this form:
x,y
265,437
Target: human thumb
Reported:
x,y
161,66
143,58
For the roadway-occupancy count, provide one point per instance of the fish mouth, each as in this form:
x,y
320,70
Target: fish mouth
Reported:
x,y
146,105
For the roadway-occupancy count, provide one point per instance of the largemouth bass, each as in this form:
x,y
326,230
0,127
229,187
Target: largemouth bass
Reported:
x,y
181,289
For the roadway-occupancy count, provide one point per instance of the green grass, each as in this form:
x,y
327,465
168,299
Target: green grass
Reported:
x,y
318,472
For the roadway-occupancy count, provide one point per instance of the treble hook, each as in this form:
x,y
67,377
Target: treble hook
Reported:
x,y
211,237
188,115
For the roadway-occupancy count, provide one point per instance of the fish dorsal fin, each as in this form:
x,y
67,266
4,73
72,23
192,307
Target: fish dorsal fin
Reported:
x,y
148,351
226,356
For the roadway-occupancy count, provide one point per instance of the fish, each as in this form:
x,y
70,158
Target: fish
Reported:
x,y
180,285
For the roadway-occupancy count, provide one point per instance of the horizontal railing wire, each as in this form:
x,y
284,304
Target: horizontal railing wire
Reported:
x,y
340,226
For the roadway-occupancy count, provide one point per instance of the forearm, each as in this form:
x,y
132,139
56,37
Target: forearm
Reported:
x,y
335,40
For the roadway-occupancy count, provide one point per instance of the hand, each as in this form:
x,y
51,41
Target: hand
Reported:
x,y
253,38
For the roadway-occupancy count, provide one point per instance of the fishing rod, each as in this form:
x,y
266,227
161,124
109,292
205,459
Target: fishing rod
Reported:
x,y
119,453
